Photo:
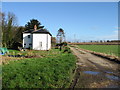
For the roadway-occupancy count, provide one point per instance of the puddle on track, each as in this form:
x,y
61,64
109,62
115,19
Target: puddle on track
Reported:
x,y
108,72
91,72
113,77
112,86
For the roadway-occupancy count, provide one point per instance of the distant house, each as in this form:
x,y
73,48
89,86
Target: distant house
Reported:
x,y
37,39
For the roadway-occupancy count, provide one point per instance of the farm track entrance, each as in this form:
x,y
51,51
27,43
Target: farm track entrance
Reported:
x,y
95,72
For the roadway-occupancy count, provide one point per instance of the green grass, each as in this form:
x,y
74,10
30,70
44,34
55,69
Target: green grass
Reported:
x,y
107,49
11,51
55,70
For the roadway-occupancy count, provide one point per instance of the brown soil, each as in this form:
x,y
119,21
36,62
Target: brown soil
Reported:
x,y
6,59
101,73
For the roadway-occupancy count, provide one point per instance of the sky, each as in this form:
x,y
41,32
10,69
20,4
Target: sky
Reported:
x,y
81,21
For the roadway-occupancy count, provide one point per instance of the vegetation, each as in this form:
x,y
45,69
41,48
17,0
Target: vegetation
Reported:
x,y
53,70
53,41
60,38
9,25
107,49
32,23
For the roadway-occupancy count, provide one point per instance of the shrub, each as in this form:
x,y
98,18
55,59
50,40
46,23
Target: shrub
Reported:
x,y
67,49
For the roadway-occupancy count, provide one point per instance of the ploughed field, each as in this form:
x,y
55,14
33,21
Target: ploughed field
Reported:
x,y
39,69
106,49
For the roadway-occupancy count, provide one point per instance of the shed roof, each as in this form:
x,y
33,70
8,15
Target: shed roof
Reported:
x,y
38,31
29,31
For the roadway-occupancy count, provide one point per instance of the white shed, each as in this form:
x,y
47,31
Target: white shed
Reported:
x,y
37,39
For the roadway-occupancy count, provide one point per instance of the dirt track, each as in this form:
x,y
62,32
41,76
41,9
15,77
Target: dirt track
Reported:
x,y
94,71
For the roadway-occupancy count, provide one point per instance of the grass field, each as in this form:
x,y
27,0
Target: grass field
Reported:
x,y
107,49
53,70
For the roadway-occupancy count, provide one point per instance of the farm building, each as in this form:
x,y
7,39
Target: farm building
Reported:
x,y
37,39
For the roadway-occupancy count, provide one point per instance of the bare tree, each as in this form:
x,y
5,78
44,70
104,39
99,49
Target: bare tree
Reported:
x,y
60,37
0,29
9,25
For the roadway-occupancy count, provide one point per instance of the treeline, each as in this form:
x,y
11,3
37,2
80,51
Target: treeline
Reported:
x,y
95,43
100,41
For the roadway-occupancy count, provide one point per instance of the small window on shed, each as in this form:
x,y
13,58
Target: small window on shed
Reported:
x,y
25,44
28,36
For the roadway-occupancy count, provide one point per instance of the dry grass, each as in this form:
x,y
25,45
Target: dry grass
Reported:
x,y
98,85
6,59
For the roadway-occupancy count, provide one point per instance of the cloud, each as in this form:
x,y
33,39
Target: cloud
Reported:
x,y
118,28
114,36
115,32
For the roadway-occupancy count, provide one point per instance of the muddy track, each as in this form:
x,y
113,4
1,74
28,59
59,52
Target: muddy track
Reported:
x,y
75,81
108,71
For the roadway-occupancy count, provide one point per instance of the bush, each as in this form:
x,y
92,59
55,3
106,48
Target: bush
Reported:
x,y
65,43
67,49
